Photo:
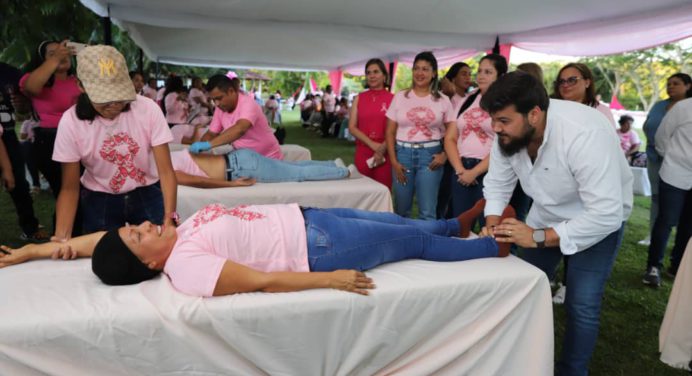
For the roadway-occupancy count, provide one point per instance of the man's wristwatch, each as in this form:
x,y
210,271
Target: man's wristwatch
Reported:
x,y
539,238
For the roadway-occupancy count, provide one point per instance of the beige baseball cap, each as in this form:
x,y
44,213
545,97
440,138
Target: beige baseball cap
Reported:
x,y
103,73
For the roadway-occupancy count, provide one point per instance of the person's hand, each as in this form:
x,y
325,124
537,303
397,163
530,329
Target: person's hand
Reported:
x,y
60,239
467,178
242,182
378,159
61,53
63,251
380,148
200,146
399,172
9,256
7,180
514,231
438,160
350,280
487,231
168,222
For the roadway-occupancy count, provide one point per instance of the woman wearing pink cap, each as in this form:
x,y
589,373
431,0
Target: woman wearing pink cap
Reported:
x,y
121,139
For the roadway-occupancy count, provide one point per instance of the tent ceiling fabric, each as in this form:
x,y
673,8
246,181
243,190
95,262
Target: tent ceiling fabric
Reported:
x,y
328,34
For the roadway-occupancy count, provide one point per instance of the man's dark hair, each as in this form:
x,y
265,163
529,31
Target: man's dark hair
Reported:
x,y
516,88
223,83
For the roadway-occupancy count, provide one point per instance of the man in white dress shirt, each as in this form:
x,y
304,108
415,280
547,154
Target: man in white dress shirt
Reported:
x,y
568,159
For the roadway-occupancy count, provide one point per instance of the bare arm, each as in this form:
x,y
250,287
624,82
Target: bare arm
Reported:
x,y
6,176
66,206
236,278
358,134
451,139
81,246
169,186
38,78
209,136
231,134
203,182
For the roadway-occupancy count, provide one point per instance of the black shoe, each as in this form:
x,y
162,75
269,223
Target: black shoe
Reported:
x,y
652,277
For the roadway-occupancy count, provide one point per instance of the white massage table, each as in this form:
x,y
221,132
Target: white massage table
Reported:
x,y
480,317
359,193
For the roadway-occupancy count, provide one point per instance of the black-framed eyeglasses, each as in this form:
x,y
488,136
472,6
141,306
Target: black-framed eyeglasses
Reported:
x,y
568,81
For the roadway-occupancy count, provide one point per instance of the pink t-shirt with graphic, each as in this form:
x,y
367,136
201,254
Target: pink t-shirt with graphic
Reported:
x,y
628,139
259,137
182,161
177,111
475,131
420,119
457,100
268,238
53,101
117,154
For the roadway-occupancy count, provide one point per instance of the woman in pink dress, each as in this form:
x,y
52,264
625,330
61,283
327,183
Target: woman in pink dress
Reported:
x,y
367,123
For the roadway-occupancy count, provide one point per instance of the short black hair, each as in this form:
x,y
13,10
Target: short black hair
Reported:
x,y
516,88
223,83
624,119
86,111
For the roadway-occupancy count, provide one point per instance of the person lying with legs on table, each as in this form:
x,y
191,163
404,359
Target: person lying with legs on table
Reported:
x,y
270,248
243,167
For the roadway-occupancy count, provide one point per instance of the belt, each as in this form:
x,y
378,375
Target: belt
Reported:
x,y
418,145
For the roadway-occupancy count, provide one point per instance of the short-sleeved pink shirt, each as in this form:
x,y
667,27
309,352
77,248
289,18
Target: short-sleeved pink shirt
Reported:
x,y
176,111
117,154
475,132
53,101
268,238
420,119
259,137
182,161
628,139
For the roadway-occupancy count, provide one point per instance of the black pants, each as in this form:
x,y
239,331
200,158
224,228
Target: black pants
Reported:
x,y
20,194
30,160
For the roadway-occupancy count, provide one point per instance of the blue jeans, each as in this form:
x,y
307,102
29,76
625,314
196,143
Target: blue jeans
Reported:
x,y
106,211
674,209
247,163
362,240
421,181
463,198
587,273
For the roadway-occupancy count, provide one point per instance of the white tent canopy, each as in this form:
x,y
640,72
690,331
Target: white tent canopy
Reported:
x,y
329,35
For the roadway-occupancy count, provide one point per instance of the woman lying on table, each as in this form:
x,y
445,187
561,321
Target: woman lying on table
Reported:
x,y
241,167
271,248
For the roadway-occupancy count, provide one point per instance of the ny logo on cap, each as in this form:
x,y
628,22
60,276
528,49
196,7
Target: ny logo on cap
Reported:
x,y
106,67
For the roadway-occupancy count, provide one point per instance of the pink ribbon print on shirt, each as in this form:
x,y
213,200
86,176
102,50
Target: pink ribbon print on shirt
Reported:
x,y
214,211
111,152
474,118
421,117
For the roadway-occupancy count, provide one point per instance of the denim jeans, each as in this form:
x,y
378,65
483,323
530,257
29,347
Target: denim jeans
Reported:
x,y
463,198
250,164
587,273
21,198
106,211
653,165
675,209
362,240
421,181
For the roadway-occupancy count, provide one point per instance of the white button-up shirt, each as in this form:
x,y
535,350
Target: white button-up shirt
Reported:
x,y
580,182
674,144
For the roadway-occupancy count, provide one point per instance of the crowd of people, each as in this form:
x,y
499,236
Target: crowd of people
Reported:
x,y
547,175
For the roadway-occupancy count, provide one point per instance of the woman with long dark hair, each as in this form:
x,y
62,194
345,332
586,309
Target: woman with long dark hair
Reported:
x,y
417,120
122,139
367,123
575,82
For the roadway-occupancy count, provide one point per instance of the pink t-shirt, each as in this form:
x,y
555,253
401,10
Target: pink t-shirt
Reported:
x,y
420,119
628,139
259,137
268,238
182,130
159,94
149,92
116,154
475,132
195,107
176,111
53,101
329,102
182,161
457,100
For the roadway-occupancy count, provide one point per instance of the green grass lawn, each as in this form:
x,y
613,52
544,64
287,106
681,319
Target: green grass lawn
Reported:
x,y
632,313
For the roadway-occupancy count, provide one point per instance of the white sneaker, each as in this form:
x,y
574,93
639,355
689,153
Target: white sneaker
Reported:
x,y
339,162
645,242
559,297
354,174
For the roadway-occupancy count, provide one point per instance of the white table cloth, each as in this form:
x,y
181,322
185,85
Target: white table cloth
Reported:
x,y
480,317
358,193
675,336
642,186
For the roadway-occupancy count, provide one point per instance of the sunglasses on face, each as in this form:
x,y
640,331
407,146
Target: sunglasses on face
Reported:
x,y
568,81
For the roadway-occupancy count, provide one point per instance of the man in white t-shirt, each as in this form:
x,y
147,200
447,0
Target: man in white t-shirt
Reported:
x,y
568,159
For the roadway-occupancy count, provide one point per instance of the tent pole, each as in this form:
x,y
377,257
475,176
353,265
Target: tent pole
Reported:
x,y
140,62
107,36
